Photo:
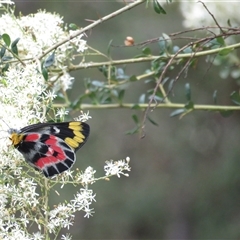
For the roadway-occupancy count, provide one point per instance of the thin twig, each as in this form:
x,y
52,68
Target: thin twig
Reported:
x,y
94,24
173,36
156,88
175,56
151,58
215,20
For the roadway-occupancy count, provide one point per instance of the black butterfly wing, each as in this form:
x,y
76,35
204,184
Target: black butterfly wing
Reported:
x,y
74,133
51,147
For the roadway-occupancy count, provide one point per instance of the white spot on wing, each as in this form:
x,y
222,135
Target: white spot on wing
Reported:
x,y
56,129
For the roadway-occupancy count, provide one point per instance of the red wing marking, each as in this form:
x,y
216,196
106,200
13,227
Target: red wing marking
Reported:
x,y
52,140
32,137
53,155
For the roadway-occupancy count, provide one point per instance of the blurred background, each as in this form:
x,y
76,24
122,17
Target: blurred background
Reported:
x,y
185,178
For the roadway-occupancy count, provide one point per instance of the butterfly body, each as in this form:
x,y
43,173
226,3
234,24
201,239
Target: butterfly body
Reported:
x,y
50,147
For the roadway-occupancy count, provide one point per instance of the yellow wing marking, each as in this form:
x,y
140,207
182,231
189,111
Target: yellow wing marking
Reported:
x,y
75,126
78,136
73,142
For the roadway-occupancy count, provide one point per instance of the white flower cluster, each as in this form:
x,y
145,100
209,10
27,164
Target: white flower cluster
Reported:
x,y
83,117
87,177
38,32
63,215
20,198
24,96
117,167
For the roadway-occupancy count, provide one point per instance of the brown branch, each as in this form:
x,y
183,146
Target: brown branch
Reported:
x,y
90,26
203,41
215,20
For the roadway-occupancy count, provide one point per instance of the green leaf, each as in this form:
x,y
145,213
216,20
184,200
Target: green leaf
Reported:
x,y
147,51
121,95
142,98
215,97
6,58
221,41
152,121
104,70
189,105
6,38
97,83
168,41
2,52
226,113
188,91
133,131
135,118
175,49
162,44
229,23
158,96
214,43
170,85
15,50
149,81
225,52
50,60
235,73
15,42
14,47
235,97
140,56
133,78
105,100
165,80
5,68
158,8
73,26
45,73
178,112
120,74
187,50
136,106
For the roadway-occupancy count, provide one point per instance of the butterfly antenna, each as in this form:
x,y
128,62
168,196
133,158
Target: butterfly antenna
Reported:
x,y
5,123
4,130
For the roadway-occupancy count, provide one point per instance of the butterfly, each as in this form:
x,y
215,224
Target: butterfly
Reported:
x,y
50,147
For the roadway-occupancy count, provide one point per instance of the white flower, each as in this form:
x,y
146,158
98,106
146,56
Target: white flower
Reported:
x,y
78,42
83,200
117,167
66,237
61,216
61,113
88,176
49,95
38,236
83,117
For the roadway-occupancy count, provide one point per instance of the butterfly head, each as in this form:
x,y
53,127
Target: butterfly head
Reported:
x,y
15,136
